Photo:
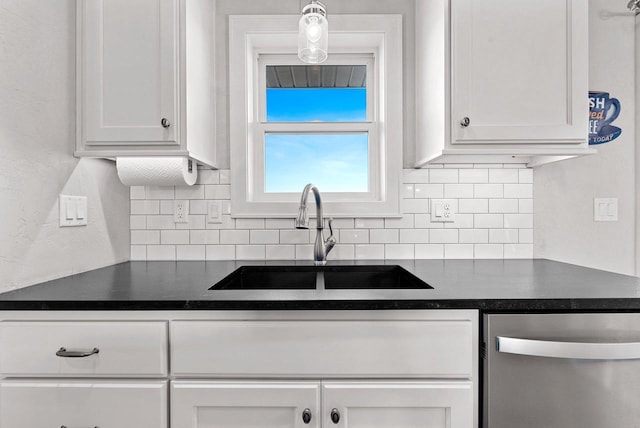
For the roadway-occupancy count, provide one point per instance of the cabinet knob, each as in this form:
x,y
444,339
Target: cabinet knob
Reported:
x,y
306,416
165,122
335,416
465,122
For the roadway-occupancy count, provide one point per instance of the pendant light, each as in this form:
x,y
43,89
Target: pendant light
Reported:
x,y
313,33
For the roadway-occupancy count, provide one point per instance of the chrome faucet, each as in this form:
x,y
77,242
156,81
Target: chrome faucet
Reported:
x,y
322,247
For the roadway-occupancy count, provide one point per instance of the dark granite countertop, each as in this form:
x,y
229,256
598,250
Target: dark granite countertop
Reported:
x,y
491,285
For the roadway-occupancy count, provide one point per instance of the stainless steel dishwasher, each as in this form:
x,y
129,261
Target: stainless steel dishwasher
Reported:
x,y
561,370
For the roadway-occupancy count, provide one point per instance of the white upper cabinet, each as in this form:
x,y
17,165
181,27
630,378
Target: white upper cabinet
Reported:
x,y
503,81
145,79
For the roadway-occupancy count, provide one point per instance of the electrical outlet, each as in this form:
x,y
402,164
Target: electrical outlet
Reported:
x,y
443,210
181,211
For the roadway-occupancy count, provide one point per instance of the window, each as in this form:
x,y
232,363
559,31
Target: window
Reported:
x,y
337,125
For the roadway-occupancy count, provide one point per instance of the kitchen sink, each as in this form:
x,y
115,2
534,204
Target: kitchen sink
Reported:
x,y
364,277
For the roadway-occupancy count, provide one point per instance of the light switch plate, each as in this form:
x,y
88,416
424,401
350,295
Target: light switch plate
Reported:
x,y
605,209
443,210
214,212
73,211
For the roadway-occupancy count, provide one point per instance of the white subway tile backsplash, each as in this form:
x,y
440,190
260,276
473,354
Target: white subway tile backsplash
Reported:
x,y
525,175
208,176
488,251
458,251
194,222
250,252
404,222
174,237
279,223
161,252
138,253
474,236
160,222
264,236
190,252
488,221
488,190
217,191
503,206
399,251
473,206
249,223
137,192
429,251
518,190
220,252
474,175
522,221
145,237
384,236
280,252
354,236
503,236
137,222
443,176
369,223
412,206
234,237
458,190
503,176
518,251
407,191
444,236
429,190
144,207
294,236
369,252
157,192
204,237
190,192
493,205
414,236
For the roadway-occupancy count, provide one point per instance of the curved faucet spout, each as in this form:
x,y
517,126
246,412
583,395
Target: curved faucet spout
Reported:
x,y
321,247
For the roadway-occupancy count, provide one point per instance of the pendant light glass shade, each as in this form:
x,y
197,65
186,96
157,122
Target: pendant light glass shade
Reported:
x,y
313,34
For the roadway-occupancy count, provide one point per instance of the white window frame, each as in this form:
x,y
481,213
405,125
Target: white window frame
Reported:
x,y
257,41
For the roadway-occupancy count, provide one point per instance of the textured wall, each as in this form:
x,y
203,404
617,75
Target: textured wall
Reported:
x,y
564,226
37,134
494,220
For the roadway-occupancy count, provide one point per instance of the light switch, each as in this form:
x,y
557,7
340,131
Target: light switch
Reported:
x,y
605,209
73,210
214,212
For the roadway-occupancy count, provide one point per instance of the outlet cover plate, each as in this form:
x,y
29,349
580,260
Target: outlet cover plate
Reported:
x,y
443,210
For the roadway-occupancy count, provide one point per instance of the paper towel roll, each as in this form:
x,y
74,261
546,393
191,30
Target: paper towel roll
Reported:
x,y
156,171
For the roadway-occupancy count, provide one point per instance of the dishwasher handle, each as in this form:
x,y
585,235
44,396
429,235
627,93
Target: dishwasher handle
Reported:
x,y
573,350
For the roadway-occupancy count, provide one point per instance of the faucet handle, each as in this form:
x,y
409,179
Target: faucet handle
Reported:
x,y
331,241
330,222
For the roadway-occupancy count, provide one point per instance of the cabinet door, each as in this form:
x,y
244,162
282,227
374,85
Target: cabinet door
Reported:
x,y
129,61
112,404
519,71
397,404
244,404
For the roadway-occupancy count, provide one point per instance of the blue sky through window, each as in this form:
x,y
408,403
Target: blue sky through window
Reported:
x,y
334,162
317,105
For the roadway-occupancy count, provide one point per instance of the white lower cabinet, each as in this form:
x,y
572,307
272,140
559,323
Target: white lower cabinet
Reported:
x,y
333,404
83,404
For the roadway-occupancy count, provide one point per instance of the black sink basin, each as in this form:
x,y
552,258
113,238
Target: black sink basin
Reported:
x,y
365,277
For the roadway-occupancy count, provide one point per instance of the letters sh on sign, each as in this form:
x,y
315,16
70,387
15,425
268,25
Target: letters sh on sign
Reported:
x,y
602,111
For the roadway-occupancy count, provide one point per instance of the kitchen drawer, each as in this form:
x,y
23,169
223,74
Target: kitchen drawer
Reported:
x,y
316,348
107,404
127,349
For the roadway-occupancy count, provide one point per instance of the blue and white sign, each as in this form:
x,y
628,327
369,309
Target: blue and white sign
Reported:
x,y
602,111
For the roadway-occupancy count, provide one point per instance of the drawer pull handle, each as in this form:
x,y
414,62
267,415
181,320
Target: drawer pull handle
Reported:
x,y
306,416
62,352
335,416
64,426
